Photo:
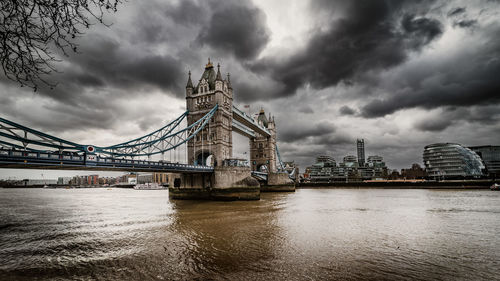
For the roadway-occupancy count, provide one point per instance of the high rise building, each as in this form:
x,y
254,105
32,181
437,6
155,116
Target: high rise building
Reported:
x,y
452,160
360,143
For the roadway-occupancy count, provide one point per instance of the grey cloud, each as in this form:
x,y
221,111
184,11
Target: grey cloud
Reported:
x,y
306,109
346,110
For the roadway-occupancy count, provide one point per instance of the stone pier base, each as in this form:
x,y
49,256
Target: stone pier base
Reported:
x,y
278,182
226,183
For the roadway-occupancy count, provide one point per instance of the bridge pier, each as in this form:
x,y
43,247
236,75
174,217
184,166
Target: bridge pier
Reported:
x,y
226,183
277,182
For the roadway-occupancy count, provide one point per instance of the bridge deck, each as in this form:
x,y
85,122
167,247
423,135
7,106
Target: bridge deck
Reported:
x,y
33,160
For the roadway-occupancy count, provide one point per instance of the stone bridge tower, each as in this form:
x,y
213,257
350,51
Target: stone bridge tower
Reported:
x,y
262,148
216,138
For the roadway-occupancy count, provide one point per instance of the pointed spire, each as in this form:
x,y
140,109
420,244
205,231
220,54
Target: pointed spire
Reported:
x,y
229,81
189,83
218,77
209,64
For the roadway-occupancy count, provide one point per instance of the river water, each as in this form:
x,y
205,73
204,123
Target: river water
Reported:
x,y
328,234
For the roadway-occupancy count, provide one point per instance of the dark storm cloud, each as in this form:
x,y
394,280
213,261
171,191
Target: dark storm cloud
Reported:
x,y
483,115
334,139
472,81
456,11
296,132
105,63
346,110
130,62
433,124
421,31
465,23
149,49
237,28
370,35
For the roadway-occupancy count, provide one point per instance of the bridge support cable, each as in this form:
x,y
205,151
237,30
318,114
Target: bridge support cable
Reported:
x,y
209,138
280,162
171,141
16,136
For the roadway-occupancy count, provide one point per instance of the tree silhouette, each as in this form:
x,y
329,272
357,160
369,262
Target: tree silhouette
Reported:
x,y
30,31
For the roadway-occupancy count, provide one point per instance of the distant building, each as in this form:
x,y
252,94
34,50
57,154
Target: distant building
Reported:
x,y
63,180
93,180
324,158
31,182
376,166
348,169
292,169
452,160
490,154
415,172
107,180
360,145
324,169
394,175
307,172
350,161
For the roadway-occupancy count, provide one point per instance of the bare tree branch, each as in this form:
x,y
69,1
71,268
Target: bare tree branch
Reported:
x,y
28,29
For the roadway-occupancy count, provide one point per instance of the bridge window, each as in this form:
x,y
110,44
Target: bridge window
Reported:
x,y
260,145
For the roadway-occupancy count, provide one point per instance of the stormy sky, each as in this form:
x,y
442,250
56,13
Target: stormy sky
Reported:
x,y
400,74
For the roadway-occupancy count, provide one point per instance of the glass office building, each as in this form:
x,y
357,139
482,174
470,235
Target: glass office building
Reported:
x,y
491,158
452,160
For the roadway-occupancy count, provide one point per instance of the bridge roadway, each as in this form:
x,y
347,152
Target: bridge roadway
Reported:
x,y
246,125
66,161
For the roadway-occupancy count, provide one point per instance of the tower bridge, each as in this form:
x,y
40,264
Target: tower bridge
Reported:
x,y
199,153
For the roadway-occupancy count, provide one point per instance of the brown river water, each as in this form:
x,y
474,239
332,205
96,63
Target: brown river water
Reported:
x,y
328,234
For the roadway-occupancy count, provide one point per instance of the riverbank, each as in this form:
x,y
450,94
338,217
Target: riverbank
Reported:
x,y
68,186
478,184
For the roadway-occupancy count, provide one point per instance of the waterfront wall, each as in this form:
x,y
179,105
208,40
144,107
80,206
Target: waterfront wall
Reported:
x,y
480,184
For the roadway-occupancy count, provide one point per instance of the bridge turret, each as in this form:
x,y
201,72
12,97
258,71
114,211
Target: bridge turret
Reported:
x,y
219,83
189,85
263,148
